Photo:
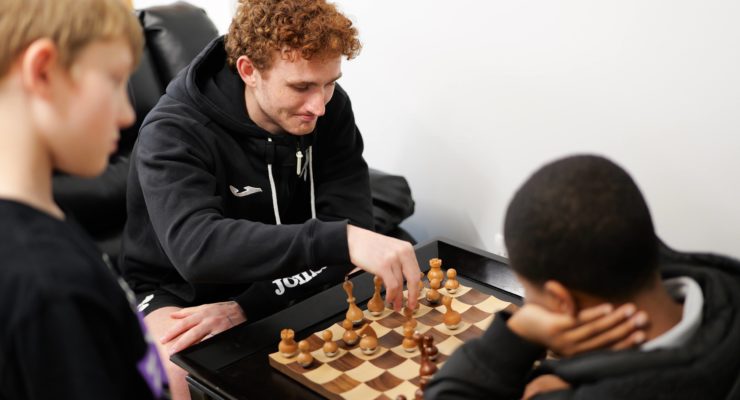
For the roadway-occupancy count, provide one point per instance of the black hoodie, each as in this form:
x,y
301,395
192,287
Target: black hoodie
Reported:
x,y
498,365
202,225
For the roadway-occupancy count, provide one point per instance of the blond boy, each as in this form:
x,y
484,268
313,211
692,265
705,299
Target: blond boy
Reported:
x,y
68,329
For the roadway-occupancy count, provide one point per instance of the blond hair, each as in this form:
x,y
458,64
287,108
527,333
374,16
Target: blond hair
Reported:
x,y
70,24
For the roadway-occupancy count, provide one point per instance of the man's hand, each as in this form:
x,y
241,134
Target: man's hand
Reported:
x,y
544,384
199,323
598,327
391,259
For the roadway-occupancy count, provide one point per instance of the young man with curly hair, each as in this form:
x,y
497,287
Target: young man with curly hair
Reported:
x,y
580,234
68,326
248,190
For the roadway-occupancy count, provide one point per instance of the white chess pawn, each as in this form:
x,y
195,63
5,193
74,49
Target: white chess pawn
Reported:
x,y
452,283
330,347
304,357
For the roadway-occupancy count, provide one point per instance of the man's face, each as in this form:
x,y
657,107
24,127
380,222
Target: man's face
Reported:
x,y
92,105
291,95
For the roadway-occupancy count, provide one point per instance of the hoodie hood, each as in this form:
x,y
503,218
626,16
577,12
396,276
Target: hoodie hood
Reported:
x,y
212,87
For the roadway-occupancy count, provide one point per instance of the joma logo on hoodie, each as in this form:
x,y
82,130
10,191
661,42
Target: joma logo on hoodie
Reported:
x,y
295,280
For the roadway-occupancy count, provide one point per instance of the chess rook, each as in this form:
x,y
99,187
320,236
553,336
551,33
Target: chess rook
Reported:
x,y
287,347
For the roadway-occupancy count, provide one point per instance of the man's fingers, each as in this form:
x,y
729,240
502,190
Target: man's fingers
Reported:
x,y
178,328
412,273
391,287
192,336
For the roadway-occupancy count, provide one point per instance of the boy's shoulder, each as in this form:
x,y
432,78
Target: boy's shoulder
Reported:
x,y
43,261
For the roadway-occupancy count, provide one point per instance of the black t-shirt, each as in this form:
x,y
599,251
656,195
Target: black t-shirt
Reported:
x,y
67,328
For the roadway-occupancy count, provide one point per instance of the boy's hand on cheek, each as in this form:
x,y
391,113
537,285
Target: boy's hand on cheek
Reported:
x,y
599,327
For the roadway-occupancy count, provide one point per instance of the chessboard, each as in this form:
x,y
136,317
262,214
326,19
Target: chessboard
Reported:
x,y
390,371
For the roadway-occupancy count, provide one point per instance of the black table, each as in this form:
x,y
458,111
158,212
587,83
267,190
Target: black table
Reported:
x,y
234,364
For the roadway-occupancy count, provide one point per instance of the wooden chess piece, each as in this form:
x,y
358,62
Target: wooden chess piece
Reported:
x,y
419,394
330,346
427,367
367,330
376,305
433,294
304,357
400,397
451,318
435,270
452,283
369,341
368,344
354,314
429,347
350,336
410,320
287,347
408,343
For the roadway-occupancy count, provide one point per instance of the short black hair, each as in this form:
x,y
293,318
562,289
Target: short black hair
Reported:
x,y
582,221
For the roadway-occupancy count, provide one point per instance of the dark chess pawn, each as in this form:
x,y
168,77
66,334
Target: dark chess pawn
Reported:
x,y
429,347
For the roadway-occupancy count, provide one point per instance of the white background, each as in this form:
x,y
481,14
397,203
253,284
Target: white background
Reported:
x,y
466,98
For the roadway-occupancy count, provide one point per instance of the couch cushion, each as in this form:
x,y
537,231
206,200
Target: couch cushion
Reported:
x,y
175,34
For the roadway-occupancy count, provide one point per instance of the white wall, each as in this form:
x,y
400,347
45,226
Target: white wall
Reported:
x,y
466,98
220,11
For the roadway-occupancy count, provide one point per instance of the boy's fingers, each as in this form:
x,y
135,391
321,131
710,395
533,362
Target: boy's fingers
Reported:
x,y
617,334
596,327
635,339
592,313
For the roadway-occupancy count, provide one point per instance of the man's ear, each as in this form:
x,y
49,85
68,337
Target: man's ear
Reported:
x,y
37,67
247,71
562,300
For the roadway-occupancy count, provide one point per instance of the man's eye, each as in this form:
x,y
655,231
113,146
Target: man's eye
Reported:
x,y
301,88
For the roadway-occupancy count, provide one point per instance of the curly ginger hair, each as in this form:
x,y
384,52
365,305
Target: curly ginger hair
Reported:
x,y
307,28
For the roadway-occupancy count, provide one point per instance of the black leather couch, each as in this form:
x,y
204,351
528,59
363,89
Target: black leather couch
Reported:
x,y
175,34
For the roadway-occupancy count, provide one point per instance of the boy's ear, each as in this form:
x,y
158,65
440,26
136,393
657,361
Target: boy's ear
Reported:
x,y
37,66
561,298
246,70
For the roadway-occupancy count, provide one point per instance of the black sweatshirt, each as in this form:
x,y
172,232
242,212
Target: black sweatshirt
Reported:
x,y
201,223
498,365
68,330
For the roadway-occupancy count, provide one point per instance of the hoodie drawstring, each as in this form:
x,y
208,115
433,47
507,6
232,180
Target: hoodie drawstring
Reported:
x,y
274,191
310,177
